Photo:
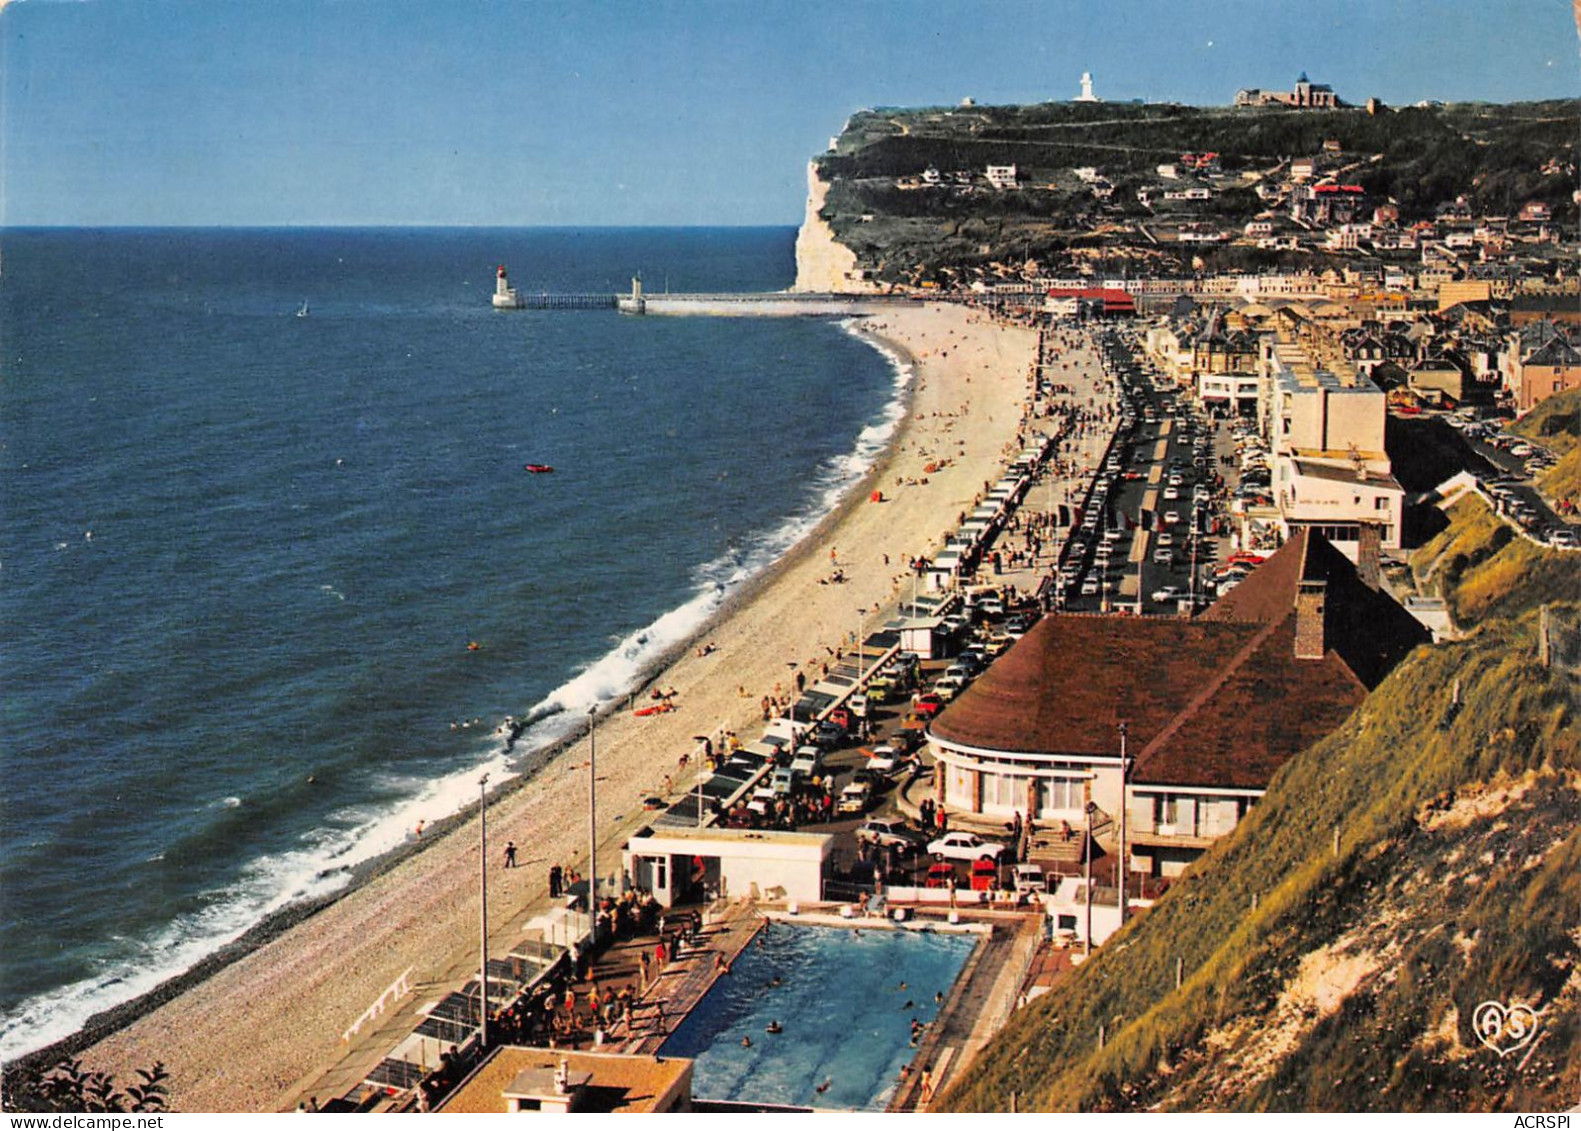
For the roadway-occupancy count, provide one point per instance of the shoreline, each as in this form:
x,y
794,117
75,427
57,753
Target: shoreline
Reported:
x,y
383,886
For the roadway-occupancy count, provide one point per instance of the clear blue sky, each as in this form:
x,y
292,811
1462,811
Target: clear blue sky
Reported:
x,y
603,112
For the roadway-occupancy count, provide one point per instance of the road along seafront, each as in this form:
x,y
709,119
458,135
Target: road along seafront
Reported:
x,y
263,1030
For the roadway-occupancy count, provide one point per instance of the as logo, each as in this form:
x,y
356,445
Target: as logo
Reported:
x,y
1504,1029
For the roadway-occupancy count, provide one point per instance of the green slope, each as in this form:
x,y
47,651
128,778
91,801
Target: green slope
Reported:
x,y
1317,979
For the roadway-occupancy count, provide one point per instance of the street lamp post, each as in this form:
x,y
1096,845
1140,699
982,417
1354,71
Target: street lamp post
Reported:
x,y
1086,852
1124,863
483,919
592,821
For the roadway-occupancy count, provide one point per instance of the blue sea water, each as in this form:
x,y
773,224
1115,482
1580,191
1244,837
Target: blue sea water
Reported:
x,y
241,549
852,1042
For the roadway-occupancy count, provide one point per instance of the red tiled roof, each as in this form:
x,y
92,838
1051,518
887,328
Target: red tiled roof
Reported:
x,y
1261,712
1065,685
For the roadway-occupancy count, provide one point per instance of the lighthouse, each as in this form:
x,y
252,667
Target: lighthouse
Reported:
x,y
1086,94
505,296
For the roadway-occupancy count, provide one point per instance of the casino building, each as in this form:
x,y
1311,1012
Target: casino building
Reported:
x,y
1211,706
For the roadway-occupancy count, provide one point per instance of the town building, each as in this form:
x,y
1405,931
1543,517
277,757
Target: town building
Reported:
x,y
681,865
1001,176
1325,428
1550,368
513,1079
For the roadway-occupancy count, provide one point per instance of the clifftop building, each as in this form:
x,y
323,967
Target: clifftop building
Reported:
x,y
1307,95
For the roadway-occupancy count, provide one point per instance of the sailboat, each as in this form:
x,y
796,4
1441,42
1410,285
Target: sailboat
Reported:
x,y
303,312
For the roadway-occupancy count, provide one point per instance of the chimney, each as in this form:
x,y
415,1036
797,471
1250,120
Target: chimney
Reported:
x,y
1368,554
1309,620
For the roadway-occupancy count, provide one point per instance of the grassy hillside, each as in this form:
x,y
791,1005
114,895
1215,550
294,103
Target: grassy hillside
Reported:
x,y
1317,977
1484,569
1350,982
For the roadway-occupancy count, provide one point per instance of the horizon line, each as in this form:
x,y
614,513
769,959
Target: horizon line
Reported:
x,y
255,227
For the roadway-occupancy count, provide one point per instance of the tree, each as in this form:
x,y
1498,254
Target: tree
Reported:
x,y
68,1087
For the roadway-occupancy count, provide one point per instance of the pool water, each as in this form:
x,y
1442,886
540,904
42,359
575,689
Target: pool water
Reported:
x,y
845,1002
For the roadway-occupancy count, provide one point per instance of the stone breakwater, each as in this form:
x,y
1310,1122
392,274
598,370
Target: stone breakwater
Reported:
x,y
823,263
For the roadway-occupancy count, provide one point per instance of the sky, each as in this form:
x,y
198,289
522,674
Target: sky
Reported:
x,y
658,112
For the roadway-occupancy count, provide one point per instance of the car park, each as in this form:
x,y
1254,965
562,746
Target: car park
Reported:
x,y
964,846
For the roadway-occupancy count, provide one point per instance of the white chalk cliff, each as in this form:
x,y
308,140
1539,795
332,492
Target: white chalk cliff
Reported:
x,y
823,263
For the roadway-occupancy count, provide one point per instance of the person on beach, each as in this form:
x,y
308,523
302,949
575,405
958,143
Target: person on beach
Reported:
x,y
510,854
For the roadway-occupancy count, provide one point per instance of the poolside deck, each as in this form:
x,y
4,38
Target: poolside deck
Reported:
x,y
977,1007
678,988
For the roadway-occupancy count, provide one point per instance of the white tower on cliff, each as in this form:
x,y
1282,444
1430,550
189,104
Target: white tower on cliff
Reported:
x,y
1086,94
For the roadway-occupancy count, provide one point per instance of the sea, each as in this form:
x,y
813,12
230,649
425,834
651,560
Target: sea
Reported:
x,y
273,574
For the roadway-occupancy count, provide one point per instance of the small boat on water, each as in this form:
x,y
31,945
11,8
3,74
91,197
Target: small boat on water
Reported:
x,y
302,313
538,468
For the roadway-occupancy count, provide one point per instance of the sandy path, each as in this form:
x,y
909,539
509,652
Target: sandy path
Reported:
x,y
268,1026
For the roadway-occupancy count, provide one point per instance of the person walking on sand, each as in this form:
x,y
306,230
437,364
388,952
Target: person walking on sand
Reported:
x,y
510,854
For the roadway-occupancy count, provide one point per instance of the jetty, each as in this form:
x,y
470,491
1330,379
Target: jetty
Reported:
x,y
718,304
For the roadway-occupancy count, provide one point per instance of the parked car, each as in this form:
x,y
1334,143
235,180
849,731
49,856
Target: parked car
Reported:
x,y
941,874
1564,537
948,687
985,874
783,781
963,846
855,798
1030,878
829,734
888,832
883,760
807,762
929,705
1168,593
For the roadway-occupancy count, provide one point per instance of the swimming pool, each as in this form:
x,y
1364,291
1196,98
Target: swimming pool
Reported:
x,y
845,1001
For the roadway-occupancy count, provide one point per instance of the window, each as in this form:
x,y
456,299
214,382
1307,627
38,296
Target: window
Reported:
x,y
1381,503
1063,793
